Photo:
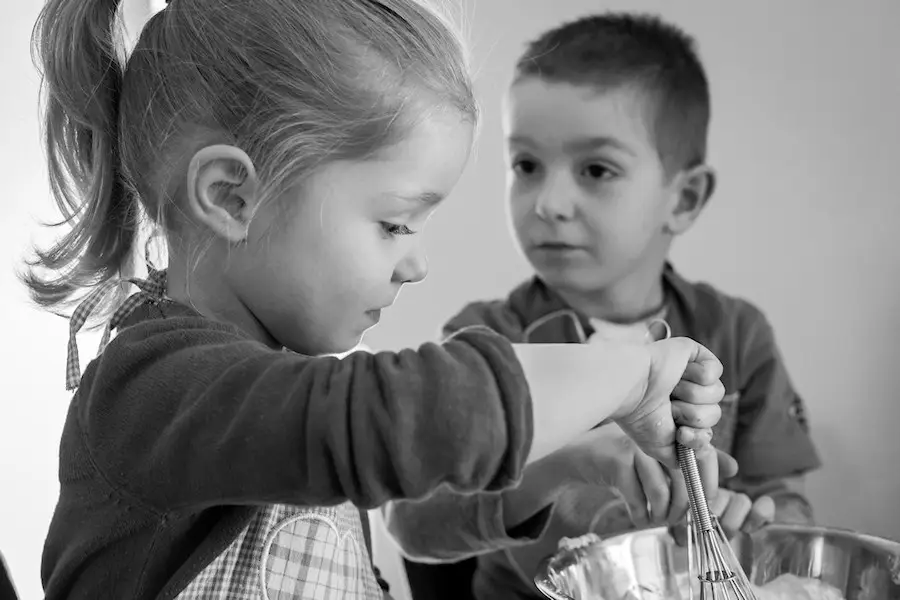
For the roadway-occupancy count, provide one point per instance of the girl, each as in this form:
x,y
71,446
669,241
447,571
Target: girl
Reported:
x,y
291,151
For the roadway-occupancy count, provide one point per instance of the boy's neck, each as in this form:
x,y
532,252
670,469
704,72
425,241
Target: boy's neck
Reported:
x,y
634,298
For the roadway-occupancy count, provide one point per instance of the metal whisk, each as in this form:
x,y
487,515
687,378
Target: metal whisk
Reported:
x,y
710,555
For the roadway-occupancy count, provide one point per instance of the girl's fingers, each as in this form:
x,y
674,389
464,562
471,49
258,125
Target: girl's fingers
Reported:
x,y
696,439
695,393
708,466
705,369
697,416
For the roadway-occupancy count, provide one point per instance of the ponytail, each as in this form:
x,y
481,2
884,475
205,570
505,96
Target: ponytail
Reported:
x,y
294,97
82,80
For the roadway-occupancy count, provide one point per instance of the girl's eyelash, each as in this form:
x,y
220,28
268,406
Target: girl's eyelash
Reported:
x,y
396,230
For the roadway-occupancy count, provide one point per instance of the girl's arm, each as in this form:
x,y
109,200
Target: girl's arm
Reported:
x,y
184,413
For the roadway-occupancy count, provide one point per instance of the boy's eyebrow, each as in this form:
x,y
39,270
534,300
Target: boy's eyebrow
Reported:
x,y
519,140
598,143
579,145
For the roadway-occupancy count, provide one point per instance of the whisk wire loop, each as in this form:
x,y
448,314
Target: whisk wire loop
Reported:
x,y
715,565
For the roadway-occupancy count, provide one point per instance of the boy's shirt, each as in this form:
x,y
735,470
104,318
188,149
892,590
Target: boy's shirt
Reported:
x,y
763,426
763,423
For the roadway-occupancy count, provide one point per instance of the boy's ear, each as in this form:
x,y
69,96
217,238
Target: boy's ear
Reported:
x,y
222,191
693,189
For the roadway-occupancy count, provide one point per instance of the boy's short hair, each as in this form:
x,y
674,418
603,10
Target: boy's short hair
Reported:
x,y
614,49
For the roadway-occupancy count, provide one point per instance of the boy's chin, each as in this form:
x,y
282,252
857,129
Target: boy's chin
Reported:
x,y
585,277
574,279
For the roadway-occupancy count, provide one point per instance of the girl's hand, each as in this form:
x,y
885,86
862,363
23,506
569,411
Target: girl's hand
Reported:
x,y
680,403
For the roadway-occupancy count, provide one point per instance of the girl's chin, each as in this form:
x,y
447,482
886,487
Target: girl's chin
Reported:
x,y
359,347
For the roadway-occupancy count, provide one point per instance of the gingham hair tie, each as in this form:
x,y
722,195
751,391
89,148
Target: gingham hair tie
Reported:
x,y
151,290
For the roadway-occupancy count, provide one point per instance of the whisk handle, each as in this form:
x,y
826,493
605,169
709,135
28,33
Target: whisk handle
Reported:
x,y
687,460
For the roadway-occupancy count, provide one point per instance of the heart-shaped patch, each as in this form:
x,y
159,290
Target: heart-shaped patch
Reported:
x,y
316,554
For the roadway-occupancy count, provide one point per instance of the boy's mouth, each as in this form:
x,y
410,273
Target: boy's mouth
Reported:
x,y
557,246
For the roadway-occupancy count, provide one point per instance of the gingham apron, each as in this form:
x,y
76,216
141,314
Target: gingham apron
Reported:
x,y
286,552
151,290
292,553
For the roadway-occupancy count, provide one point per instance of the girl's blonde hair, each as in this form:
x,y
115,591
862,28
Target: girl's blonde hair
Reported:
x,y
294,83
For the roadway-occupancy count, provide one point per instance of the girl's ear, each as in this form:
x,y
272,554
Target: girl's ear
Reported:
x,y
222,191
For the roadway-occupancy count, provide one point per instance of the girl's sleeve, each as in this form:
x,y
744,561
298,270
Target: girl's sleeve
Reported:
x,y
449,526
181,416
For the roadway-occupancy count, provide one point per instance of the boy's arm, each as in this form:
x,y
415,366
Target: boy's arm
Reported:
x,y
448,526
788,493
772,442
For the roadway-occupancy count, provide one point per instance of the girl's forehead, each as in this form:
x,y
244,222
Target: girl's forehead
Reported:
x,y
429,159
415,173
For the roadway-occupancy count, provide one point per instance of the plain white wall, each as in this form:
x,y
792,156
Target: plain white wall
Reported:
x,y
32,357
805,135
35,402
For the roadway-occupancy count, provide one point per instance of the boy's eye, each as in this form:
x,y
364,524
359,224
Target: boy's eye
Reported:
x,y
525,166
597,171
393,229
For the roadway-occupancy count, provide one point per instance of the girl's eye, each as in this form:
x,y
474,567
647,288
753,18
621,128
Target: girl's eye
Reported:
x,y
597,171
396,230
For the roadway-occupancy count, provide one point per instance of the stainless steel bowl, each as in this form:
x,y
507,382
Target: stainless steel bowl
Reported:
x,y
647,564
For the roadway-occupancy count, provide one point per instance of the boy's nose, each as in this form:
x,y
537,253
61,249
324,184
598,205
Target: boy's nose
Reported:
x,y
413,267
555,201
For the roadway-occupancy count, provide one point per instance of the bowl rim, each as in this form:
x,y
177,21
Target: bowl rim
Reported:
x,y
880,544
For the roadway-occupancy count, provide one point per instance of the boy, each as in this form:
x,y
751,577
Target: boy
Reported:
x,y
606,124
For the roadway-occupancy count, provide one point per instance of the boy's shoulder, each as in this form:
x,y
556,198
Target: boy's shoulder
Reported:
x,y
528,303
703,309
497,315
733,328
726,323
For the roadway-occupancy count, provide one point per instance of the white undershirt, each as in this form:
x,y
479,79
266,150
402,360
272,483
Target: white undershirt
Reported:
x,y
640,332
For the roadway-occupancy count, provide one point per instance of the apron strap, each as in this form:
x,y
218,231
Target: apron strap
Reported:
x,y
150,290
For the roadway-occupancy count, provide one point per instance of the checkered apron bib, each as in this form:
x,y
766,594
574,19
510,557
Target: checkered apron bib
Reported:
x,y
286,552
292,553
